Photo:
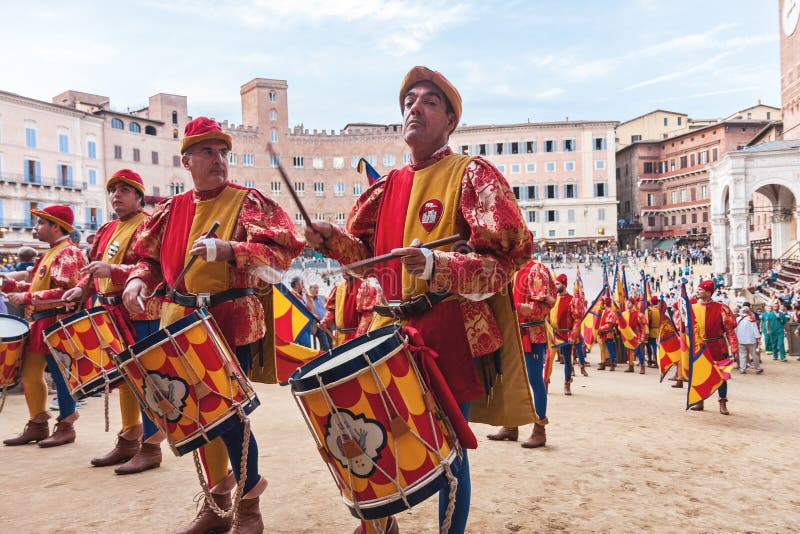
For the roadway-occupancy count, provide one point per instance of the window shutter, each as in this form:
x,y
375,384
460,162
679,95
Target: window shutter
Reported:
x,y
27,213
38,177
88,217
69,176
27,170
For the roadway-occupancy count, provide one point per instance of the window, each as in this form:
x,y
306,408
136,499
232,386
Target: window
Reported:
x,y
501,168
482,150
674,197
571,232
300,188
250,183
498,149
150,130
319,189
117,152
600,143
175,189
651,221
600,164
533,216
354,161
91,149
273,115
651,200
671,165
299,220
600,189
273,96
551,215
516,168
680,120
694,217
569,145
275,188
317,163
530,167
703,191
571,216
683,162
174,133
714,153
274,160
406,158
569,165
117,124
174,117
176,161
273,135
705,217
134,127
693,194
516,190
63,143
358,188
248,160
666,121
648,167
341,218
530,147
683,219
463,150
231,158
64,175
136,155
338,162
635,138
92,176
154,157
601,214
549,145
691,160
683,195
30,137
389,160
551,233
570,191
703,157
514,147
551,191
550,166
297,162
338,189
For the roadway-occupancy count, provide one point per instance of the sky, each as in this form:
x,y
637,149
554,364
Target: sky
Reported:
x,y
512,61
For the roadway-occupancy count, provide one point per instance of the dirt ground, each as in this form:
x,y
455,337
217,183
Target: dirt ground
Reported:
x,y
622,456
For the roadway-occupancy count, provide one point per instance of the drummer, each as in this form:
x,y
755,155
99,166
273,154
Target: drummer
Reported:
x,y
57,271
255,239
438,194
138,445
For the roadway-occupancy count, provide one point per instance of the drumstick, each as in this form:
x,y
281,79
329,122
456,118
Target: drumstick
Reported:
x,y
292,192
384,257
193,258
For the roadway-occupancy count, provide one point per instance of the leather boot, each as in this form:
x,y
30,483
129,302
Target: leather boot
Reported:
x,y
677,384
566,388
612,366
723,407
697,407
248,516
124,450
207,521
538,437
583,371
630,368
36,429
148,457
63,432
601,366
506,433
641,369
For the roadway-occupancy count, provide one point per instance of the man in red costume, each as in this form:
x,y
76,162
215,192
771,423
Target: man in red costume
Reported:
x,y
715,324
607,330
57,271
565,319
139,442
344,309
444,295
256,239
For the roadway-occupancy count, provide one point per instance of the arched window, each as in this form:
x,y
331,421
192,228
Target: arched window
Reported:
x,y
174,133
150,130
117,124
273,115
134,127
273,135
174,117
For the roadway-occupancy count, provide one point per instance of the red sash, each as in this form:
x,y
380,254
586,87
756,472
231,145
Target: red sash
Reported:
x,y
179,222
103,236
350,316
390,228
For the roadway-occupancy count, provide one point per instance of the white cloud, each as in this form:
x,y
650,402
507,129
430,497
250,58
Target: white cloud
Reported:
x,y
680,73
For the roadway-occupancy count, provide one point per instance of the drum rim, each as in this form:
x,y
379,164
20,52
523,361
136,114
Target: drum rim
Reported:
x,y
70,319
11,339
214,430
307,384
159,337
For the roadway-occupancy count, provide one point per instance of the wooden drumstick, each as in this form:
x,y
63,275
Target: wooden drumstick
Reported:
x,y
384,257
192,259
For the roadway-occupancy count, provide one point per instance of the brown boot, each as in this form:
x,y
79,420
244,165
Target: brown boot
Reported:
x,y
248,516
148,457
566,388
612,366
207,521
37,429
583,371
601,366
538,437
124,450
697,407
723,407
677,384
641,369
629,369
63,432
506,433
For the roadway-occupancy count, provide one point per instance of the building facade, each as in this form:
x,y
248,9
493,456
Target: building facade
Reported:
x,y
790,67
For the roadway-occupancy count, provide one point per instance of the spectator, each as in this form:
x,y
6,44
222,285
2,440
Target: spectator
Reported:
x,y
749,335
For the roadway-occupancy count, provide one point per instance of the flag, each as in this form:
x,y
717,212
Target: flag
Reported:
x,y
293,322
629,336
620,290
577,288
671,349
645,293
591,320
364,167
705,375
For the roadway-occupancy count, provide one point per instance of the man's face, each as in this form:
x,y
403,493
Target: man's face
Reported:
x,y
45,230
560,287
208,163
123,199
703,294
425,117
313,289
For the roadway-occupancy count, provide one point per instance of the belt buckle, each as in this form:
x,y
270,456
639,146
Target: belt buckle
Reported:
x,y
203,300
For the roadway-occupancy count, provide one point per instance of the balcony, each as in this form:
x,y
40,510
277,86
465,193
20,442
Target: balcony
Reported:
x,y
39,181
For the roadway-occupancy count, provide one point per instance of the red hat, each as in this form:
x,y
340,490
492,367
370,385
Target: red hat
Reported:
x,y
708,285
200,129
424,74
653,300
61,215
129,177
607,301
562,279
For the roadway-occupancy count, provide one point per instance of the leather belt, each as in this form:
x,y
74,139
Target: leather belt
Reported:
x,y
207,300
530,324
48,313
713,338
413,307
109,301
346,330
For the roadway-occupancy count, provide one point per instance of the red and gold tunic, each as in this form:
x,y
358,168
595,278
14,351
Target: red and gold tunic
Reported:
x,y
342,310
57,271
608,324
565,318
365,304
262,235
715,325
533,280
654,320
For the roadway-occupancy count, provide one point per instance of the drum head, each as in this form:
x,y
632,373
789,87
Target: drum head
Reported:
x,y
12,328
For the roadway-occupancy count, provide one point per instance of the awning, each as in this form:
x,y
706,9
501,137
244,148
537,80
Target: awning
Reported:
x,y
665,244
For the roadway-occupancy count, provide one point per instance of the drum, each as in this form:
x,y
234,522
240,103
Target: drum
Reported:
x,y
188,381
376,425
83,345
13,336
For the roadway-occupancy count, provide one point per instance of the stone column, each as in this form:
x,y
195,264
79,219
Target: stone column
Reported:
x,y
739,248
